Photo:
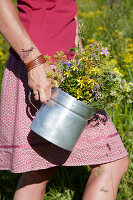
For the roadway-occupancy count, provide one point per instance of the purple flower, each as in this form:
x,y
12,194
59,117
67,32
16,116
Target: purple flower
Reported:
x,y
68,63
97,95
79,66
104,51
123,82
111,1
96,87
59,68
94,54
101,84
114,75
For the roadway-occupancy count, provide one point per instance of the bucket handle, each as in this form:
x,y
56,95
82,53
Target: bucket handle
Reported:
x,y
29,97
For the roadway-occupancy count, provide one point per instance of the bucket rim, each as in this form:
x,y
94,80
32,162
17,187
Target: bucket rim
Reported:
x,y
80,103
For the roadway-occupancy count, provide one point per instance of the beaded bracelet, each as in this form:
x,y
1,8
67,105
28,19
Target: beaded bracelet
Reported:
x,y
35,62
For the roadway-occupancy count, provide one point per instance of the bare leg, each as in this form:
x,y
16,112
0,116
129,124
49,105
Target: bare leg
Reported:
x,y
32,185
104,180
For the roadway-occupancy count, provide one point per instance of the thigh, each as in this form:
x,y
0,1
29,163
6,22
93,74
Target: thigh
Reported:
x,y
38,176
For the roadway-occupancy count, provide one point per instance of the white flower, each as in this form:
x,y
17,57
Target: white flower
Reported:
x,y
113,93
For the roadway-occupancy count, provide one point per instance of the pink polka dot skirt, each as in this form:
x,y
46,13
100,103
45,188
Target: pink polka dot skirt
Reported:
x,y
22,150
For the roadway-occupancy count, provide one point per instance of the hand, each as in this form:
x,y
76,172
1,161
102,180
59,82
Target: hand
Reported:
x,y
38,81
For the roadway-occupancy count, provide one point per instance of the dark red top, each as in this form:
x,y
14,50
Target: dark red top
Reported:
x,y
49,23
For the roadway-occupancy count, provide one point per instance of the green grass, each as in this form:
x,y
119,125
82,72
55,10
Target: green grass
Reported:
x,y
116,21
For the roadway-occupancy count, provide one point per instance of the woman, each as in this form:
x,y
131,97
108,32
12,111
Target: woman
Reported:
x,y
43,27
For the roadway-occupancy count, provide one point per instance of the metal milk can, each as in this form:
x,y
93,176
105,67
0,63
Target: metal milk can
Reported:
x,y
62,119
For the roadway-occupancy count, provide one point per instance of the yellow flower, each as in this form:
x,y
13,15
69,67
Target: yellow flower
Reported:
x,y
117,31
130,46
114,61
99,12
1,54
67,73
96,71
1,42
74,67
113,34
90,14
84,53
98,33
3,61
91,82
87,46
121,37
79,93
84,58
103,7
128,58
81,14
91,41
100,28
129,40
72,61
117,71
114,104
80,82
89,96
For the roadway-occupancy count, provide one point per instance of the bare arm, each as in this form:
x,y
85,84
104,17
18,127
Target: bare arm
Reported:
x,y
78,41
14,32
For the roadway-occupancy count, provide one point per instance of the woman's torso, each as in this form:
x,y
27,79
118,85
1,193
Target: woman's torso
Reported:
x,y
49,23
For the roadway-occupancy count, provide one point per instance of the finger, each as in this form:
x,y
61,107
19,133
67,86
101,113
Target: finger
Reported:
x,y
48,92
42,94
36,94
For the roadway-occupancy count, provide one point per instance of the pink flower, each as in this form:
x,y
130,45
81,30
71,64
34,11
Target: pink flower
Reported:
x,y
61,76
53,67
104,51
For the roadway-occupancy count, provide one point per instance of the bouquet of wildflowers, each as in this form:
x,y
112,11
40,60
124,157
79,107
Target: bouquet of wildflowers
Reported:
x,y
91,77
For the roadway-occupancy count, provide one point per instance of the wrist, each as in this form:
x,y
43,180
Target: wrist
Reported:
x,y
29,53
39,60
32,56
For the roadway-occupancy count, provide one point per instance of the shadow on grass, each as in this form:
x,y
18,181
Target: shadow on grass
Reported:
x,y
8,183
71,179
68,183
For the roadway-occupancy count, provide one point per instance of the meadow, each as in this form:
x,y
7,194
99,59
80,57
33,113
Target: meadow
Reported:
x,y
109,21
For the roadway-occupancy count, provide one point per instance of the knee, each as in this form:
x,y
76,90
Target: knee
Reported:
x,y
124,164
119,168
